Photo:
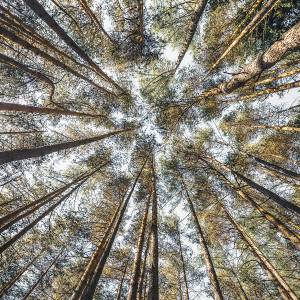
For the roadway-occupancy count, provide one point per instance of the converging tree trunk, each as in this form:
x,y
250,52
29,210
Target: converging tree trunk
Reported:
x,y
21,154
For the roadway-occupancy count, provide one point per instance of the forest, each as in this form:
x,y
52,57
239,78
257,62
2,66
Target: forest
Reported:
x,y
150,149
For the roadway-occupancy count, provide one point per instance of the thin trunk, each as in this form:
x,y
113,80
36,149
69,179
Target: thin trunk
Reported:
x,y
5,106
216,289
269,194
21,154
153,292
183,266
38,75
11,282
260,15
119,292
42,276
280,226
39,10
133,287
94,18
280,281
11,36
21,132
191,31
87,290
24,211
20,234
263,126
143,270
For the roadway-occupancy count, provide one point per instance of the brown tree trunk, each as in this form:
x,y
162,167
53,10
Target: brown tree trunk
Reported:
x,y
211,162
21,154
42,276
119,291
11,282
263,126
183,267
94,18
133,287
87,289
280,281
260,15
191,31
11,36
216,289
5,106
153,292
17,236
24,211
39,10
143,270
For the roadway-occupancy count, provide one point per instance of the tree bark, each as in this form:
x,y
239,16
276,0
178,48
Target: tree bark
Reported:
x,y
215,285
280,281
39,10
183,266
153,292
119,291
133,287
11,36
5,106
17,236
91,281
21,154
260,15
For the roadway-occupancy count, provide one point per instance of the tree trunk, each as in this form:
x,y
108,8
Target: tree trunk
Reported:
x,y
11,282
215,285
133,287
21,154
87,288
280,281
39,10
153,292
11,36
119,291
183,266
143,271
94,18
38,75
5,106
269,194
22,212
280,226
260,15
42,275
17,236
263,126
191,31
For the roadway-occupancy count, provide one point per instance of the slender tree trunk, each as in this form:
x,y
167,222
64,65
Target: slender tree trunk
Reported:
x,y
93,277
24,211
39,10
280,281
263,126
191,31
119,291
269,194
11,36
153,292
280,226
20,132
143,270
21,154
38,75
215,285
133,287
183,266
94,18
17,236
5,106
11,282
260,15
42,276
